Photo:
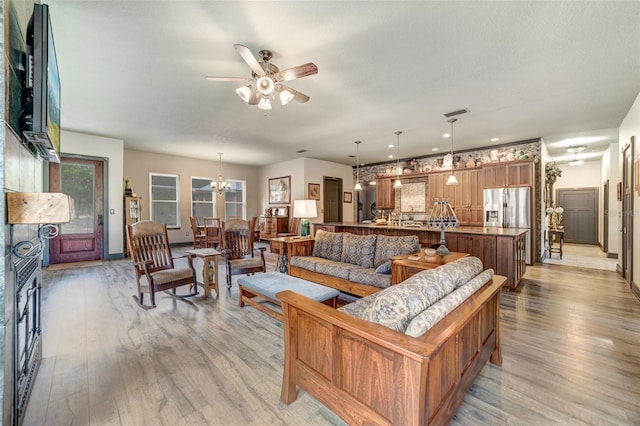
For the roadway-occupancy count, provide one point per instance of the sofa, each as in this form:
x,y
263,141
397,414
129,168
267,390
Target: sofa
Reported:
x,y
405,355
354,264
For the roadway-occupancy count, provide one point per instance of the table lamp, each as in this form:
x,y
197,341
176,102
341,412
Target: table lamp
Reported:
x,y
443,217
304,210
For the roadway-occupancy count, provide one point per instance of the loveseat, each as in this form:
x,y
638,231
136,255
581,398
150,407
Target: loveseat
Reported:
x,y
355,264
404,355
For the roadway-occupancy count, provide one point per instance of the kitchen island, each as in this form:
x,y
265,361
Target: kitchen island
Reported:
x,y
502,249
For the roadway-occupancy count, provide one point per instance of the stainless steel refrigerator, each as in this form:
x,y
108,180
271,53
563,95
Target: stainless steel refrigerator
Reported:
x,y
509,208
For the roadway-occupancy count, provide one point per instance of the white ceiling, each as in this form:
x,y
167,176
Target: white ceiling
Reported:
x,y
134,70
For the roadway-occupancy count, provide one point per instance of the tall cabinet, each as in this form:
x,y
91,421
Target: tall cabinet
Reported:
x,y
132,214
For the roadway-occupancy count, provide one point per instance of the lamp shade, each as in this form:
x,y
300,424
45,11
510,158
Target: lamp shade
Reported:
x,y
305,209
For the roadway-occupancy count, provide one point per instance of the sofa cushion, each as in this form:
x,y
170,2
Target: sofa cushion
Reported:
x,y
328,245
387,246
335,269
462,270
370,277
396,306
358,249
432,315
305,262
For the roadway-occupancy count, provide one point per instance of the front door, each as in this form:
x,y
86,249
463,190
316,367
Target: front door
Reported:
x,y
82,238
580,214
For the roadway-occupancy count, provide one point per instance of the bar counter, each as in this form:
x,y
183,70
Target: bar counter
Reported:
x,y
502,249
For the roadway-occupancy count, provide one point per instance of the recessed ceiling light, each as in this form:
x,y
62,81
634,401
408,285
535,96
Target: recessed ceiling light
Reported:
x,y
434,149
495,139
391,145
390,156
576,162
446,135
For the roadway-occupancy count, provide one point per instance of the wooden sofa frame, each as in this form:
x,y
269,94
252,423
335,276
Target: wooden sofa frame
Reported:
x,y
369,374
346,286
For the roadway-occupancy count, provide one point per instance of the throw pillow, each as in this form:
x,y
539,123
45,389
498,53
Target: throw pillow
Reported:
x,y
358,249
385,268
328,245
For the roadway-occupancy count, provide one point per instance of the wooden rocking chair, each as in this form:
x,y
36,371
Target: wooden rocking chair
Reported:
x,y
148,244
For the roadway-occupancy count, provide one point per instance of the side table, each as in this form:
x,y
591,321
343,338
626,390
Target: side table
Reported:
x,y
405,265
551,238
208,255
290,246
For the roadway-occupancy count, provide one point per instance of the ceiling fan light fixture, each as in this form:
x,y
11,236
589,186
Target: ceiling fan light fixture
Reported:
x,y
264,103
244,92
285,97
265,85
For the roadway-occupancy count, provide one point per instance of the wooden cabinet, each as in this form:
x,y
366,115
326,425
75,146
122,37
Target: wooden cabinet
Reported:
x,y
385,194
270,226
468,197
520,173
132,212
318,226
511,255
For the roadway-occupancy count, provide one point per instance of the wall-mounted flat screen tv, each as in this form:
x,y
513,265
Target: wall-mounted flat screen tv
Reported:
x,y
41,126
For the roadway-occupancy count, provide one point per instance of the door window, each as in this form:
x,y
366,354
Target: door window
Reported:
x,y
78,182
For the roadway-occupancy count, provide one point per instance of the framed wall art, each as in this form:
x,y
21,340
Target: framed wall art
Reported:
x,y
314,191
280,190
348,197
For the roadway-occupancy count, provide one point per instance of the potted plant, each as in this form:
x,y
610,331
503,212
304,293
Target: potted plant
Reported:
x,y
552,172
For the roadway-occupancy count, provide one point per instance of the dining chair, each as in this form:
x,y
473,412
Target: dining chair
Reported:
x,y
148,244
254,230
213,232
199,240
240,255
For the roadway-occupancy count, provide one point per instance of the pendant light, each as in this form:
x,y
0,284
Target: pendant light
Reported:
x,y
358,186
220,184
452,178
397,184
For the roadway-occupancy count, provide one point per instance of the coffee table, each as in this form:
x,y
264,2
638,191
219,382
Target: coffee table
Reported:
x,y
268,285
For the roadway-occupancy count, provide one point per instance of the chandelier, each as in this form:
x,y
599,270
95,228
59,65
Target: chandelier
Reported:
x,y
220,185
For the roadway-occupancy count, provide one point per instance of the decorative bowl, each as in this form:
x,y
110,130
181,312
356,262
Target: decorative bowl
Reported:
x,y
430,252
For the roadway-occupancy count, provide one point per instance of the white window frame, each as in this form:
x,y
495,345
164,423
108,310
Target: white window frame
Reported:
x,y
213,197
176,201
244,198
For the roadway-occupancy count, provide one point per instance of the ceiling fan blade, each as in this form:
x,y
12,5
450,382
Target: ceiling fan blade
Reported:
x,y
297,96
296,72
240,79
249,59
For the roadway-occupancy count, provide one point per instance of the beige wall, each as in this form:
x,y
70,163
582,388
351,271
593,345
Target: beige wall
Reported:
x,y
138,165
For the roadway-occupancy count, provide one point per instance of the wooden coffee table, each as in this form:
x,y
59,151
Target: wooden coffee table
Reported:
x,y
405,265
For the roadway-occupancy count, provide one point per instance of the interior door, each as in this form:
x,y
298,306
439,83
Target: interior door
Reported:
x,y
332,199
82,238
605,218
580,214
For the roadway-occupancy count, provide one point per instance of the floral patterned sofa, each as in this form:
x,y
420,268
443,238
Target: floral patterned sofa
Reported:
x,y
355,264
405,355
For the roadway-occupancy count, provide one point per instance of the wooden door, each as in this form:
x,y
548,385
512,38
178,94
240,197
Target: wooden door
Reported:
x,y
82,238
580,214
332,199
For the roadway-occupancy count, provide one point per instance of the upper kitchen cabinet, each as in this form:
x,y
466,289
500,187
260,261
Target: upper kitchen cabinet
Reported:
x,y
385,194
520,173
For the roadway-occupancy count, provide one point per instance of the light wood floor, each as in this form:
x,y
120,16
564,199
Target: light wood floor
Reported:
x,y
570,344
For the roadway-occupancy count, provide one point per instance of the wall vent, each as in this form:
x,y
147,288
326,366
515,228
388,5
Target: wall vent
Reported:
x,y
458,112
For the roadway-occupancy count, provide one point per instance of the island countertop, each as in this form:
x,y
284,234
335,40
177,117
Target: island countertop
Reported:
x,y
475,230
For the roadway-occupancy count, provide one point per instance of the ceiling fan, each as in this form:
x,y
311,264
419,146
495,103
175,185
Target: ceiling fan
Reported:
x,y
266,78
